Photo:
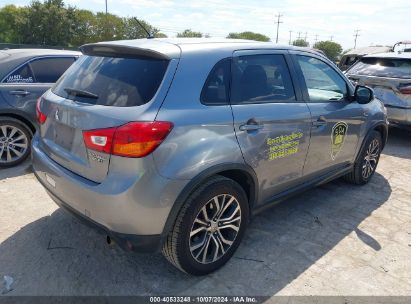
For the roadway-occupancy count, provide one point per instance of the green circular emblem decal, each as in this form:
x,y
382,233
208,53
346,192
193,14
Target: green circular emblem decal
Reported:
x,y
338,134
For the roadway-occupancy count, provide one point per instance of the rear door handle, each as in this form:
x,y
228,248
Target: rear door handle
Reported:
x,y
20,93
251,127
321,121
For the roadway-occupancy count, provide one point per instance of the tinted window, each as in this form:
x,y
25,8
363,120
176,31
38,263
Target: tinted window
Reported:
x,y
261,78
120,82
322,81
383,67
21,75
217,86
49,70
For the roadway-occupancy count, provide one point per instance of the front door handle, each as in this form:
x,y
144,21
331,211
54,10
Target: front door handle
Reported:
x,y
251,127
20,93
321,121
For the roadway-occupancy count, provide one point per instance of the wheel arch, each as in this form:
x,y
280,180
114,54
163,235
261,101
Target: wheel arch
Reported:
x,y
243,174
381,128
22,119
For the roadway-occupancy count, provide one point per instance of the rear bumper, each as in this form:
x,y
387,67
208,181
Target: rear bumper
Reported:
x,y
129,242
131,209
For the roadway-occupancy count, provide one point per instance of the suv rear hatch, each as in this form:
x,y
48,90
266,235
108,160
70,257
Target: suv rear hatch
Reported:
x,y
389,77
109,87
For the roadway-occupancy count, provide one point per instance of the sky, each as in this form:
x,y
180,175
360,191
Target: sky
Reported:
x,y
380,22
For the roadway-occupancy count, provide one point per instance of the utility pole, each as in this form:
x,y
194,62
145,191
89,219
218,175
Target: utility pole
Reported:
x,y
278,25
356,36
331,38
316,39
305,38
289,42
106,7
299,35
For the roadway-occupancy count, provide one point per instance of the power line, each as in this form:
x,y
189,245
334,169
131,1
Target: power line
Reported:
x,y
278,25
356,36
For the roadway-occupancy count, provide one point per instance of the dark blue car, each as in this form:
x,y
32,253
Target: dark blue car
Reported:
x,y
25,74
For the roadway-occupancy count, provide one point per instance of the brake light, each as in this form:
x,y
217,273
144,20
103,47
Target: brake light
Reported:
x,y
41,117
135,139
406,91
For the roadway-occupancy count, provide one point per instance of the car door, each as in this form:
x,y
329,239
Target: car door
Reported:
x,y
24,85
271,122
336,120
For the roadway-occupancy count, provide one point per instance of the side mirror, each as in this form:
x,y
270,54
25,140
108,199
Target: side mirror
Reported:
x,y
363,94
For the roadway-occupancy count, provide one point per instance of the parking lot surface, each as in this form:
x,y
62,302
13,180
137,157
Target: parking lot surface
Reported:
x,y
337,239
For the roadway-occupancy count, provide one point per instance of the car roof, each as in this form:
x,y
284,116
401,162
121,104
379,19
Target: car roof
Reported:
x,y
174,47
391,55
368,50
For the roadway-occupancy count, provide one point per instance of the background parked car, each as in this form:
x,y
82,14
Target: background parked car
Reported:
x,y
25,74
351,57
389,74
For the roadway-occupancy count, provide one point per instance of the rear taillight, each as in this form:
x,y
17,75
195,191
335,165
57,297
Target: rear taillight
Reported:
x,y
406,91
41,117
135,139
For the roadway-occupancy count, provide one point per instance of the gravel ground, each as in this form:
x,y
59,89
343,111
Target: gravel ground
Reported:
x,y
336,239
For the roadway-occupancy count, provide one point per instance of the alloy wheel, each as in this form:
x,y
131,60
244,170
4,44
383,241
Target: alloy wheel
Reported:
x,y
215,228
371,159
13,144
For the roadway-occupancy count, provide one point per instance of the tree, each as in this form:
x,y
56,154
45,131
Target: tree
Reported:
x,y
11,18
300,42
330,48
190,34
248,36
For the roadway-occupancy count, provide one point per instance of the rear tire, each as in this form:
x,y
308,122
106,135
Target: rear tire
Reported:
x,y
15,139
366,164
209,227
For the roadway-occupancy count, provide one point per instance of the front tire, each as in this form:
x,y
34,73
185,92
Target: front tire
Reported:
x,y
366,164
209,228
15,138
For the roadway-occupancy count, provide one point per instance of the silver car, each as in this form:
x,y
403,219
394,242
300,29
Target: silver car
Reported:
x,y
389,74
174,145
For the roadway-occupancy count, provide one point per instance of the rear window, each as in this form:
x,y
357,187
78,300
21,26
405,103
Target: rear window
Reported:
x,y
107,81
383,67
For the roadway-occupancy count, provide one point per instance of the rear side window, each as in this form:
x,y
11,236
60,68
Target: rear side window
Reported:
x,y
118,82
261,79
322,81
49,70
21,75
217,87
383,67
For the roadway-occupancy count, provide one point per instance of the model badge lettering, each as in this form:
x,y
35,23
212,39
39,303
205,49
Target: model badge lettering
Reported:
x,y
96,157
337,138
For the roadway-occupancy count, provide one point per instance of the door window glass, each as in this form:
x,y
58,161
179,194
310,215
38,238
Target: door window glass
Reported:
x,y
21,75
322,81
261,79
49,70
217,86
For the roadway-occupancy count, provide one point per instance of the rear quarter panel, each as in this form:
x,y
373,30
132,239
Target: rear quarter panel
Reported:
x,y
203,136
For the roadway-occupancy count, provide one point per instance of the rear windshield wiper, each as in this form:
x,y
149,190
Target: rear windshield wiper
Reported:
x,y
80,93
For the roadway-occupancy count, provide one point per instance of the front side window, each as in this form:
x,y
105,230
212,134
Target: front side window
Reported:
x,y
261,79
322,81
21,75
49,70
217,87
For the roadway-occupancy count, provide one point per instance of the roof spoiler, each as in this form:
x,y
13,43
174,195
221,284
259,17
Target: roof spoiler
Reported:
x,y
115,50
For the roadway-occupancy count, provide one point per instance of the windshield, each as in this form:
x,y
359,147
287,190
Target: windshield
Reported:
x,y
118,82
383,67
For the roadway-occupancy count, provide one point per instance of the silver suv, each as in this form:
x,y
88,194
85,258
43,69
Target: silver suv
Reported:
x,y
173,145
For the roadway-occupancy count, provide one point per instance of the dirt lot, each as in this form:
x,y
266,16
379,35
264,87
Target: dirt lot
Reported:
x,y
337,239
